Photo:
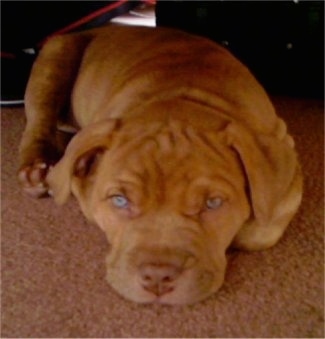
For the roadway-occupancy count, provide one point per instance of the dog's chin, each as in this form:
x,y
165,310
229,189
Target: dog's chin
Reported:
x,y
171,299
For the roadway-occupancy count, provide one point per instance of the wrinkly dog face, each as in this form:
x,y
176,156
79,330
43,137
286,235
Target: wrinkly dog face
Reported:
x,y
169,198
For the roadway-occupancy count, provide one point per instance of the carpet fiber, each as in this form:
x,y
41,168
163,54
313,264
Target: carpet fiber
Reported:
x,y
53,263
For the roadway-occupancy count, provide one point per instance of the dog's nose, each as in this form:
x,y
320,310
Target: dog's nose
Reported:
x,y
159,278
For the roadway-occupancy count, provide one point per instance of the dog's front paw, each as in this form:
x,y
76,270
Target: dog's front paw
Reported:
x,y
32,179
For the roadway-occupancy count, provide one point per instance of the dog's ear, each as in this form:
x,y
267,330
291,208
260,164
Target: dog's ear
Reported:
x,y
272,171
80,157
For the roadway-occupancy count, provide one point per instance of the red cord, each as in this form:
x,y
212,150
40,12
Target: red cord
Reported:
x,y
7,55
83,20
150,2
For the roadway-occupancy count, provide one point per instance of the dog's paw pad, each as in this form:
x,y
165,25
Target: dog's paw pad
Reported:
x,y
32,179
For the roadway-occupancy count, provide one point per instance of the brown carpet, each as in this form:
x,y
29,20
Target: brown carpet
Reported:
x,y
53,264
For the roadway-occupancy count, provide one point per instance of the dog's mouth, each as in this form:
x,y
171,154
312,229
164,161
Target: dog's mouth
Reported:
x,y
161,295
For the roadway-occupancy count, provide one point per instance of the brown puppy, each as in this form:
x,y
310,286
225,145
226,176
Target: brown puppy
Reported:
x,y
179,155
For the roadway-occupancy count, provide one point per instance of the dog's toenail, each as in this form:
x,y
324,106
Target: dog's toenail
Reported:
x,y
42,165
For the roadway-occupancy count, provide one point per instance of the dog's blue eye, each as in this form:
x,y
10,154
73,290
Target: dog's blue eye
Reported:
x,y
213,203
120,201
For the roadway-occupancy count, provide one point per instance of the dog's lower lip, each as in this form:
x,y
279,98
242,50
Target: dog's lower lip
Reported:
x,y
160,298
169,290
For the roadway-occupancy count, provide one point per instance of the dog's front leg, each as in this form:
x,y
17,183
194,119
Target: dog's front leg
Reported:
x,y
47,95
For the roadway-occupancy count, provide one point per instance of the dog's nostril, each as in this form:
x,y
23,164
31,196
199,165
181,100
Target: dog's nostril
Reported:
x,y
146,277
167,279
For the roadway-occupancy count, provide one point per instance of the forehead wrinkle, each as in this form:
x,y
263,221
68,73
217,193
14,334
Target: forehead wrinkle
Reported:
x,y
183,141
211,143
